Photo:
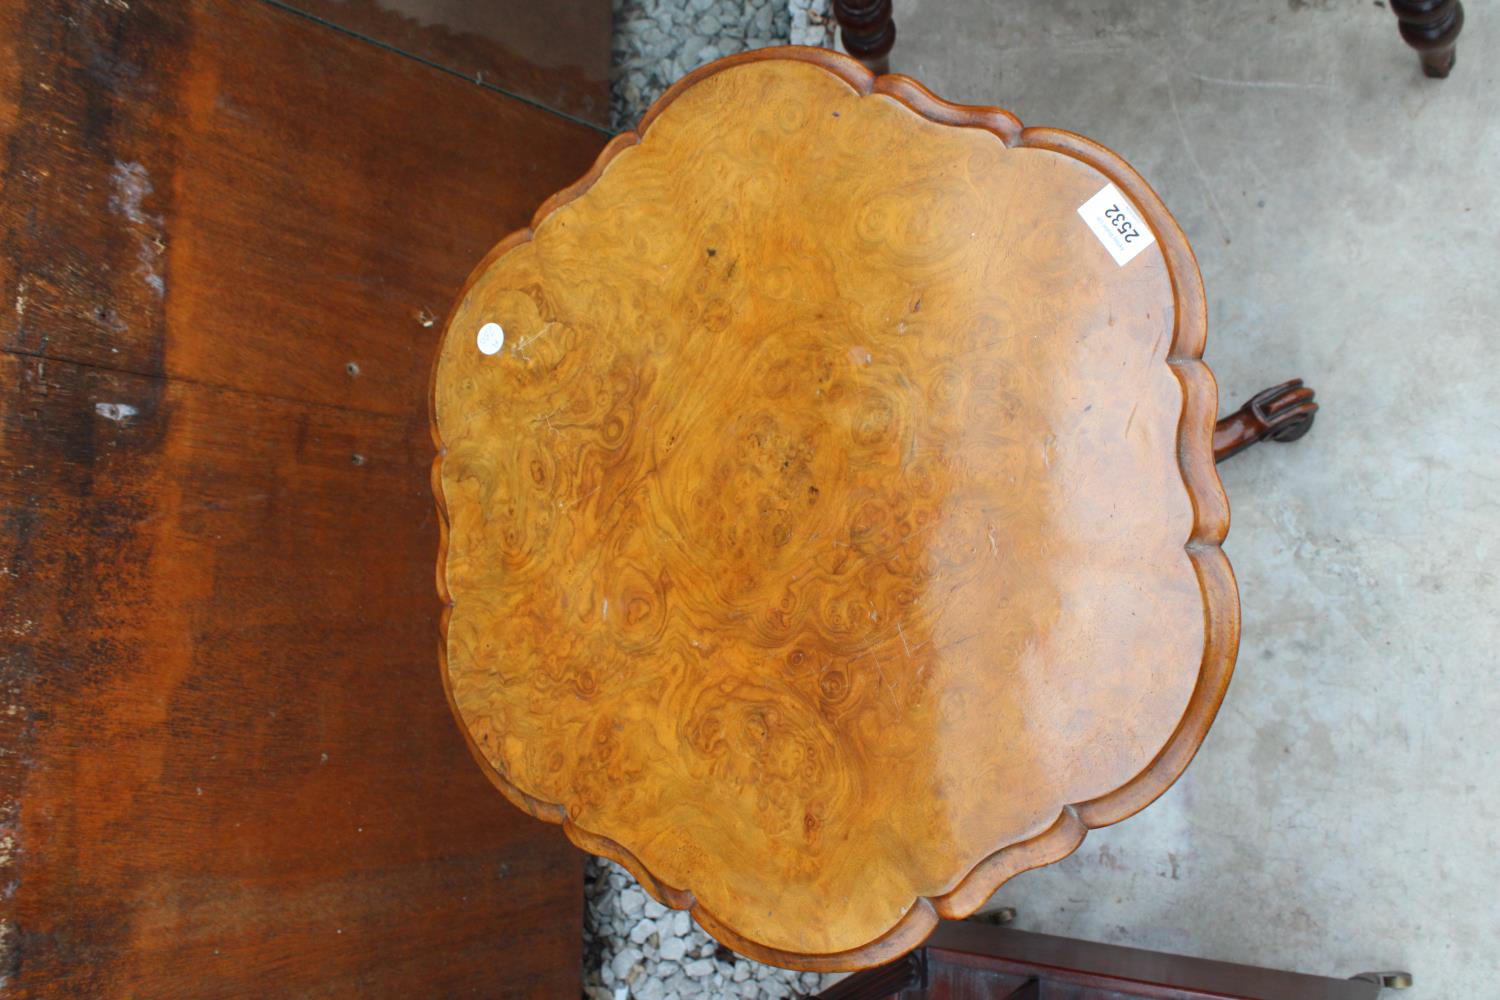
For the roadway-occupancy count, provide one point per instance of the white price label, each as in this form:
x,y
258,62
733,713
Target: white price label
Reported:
x,y
1117,224
491,338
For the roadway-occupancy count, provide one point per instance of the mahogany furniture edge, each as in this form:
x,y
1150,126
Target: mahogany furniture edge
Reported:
x,y
1106,966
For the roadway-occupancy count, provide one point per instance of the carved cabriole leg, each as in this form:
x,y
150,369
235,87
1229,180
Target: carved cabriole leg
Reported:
x,y
883,981
1431,27
867,30
1281,413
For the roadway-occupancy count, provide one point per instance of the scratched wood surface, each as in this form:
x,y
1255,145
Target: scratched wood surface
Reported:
x,y
556,53
836,532
227,767
238,157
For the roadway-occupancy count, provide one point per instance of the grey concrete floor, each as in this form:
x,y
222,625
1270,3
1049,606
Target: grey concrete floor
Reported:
x,y
1342,815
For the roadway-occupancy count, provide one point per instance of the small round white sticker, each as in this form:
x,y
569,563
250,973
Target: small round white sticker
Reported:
x,y
491,338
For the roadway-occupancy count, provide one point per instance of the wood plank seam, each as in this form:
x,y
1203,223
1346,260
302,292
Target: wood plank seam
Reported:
x,y
432,64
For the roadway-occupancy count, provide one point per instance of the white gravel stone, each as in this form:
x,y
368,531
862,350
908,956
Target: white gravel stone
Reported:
x,y
701,969
811,23
673,949
626,960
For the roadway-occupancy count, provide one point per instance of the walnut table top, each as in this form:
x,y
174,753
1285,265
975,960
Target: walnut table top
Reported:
x,y
831,523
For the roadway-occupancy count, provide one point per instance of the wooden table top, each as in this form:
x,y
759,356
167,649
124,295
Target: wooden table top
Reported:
x,y
835,531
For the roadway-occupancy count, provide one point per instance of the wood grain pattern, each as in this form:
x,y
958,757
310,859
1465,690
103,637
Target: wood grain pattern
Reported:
x,y
227,157
836,534
227,768
230,769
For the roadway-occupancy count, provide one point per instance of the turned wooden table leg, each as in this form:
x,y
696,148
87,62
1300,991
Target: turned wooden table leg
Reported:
x,y
1281,413
1431,27
868,31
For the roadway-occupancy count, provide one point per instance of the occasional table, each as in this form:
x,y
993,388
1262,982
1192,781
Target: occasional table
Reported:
x,y
831,523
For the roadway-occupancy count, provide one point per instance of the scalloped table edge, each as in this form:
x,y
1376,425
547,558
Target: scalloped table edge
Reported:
x,y
1195,460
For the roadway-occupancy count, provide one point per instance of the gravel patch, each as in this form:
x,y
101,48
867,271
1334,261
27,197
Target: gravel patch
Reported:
x,y
657,41
634,948
812,23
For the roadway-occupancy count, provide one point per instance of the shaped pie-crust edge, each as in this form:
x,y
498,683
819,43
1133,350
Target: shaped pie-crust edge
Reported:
x,y
1199,476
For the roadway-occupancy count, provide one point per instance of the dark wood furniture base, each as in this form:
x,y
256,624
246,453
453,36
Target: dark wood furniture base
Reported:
x,y
1431,27
1281,413
968,960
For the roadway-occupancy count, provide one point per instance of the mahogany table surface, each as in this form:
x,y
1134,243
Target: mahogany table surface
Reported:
x,y
835,532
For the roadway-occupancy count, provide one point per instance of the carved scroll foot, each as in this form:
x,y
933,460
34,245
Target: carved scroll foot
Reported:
x,y
1282,413
1431,27
867,30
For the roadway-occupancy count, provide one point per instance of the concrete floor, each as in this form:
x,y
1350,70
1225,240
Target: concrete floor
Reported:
x,y
1342,815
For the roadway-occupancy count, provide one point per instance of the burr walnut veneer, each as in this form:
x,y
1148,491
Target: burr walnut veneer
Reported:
x,y
836,532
